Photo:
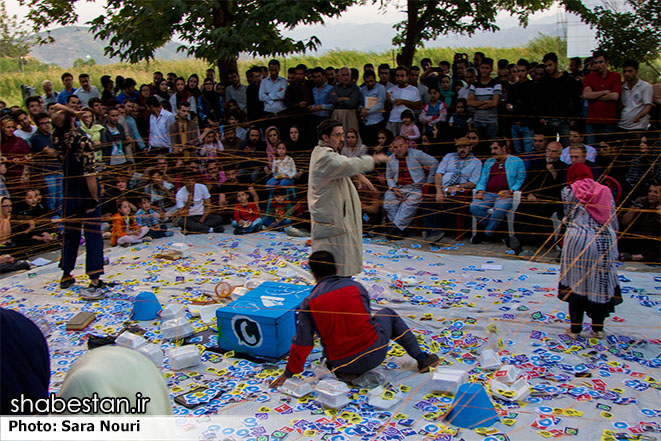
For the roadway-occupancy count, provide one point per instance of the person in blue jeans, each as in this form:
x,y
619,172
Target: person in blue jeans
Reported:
x,y
279,210
148,217
502,175
81,211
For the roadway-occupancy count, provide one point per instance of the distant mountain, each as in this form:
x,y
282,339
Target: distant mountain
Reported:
x,y
73,42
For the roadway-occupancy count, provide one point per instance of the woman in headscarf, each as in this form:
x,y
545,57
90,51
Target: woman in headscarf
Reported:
x,y
25,367
645,167
192,86
92,129
182,94
447,94
272,140
352,146
588,279
112,371
210,109
162,91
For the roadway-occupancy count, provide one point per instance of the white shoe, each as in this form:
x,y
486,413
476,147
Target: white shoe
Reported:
x,y
294,232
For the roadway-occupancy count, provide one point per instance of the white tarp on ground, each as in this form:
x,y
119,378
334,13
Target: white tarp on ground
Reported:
x,y
448,300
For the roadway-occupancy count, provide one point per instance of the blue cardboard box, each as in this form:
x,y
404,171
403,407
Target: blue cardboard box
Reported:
x,y
263,321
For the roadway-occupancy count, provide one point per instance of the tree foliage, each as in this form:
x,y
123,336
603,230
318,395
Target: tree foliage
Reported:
x,y
634,33
428,19
79,62
213,30
14,41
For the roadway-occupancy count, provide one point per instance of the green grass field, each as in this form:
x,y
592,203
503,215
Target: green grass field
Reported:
x,y
33,72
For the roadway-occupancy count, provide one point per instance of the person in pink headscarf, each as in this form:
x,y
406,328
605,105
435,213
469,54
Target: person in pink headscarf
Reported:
x,y
272,140
588,279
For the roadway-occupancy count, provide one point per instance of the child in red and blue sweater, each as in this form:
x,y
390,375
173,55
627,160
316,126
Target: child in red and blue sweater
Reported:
x,y
246,215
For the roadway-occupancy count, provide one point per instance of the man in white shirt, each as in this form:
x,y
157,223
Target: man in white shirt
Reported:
x,y
86,90
636,99
403,97
25,129
160,121
194,208
272,90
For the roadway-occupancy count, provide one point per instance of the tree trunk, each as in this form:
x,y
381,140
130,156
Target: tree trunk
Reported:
x,y
225,66
405,57
223,18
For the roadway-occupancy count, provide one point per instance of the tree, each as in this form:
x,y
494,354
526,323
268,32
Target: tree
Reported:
x,y
213,30
14,41
631,34
79,62
428,19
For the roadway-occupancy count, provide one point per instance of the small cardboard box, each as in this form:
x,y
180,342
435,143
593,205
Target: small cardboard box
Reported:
x,y
263,321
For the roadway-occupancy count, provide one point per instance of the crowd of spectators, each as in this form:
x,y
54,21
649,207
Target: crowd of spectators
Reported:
x,y
483,139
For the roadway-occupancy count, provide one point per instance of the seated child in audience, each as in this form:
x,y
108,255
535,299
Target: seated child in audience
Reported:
x,y
283,170
279,210
148,217
211,145
125,229
161,194
409,129
246,215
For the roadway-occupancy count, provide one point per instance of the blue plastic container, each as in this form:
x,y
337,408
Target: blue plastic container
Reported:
x,y
472,408
146,306
263,321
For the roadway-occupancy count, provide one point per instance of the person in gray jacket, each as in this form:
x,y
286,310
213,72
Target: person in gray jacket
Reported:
x,y
333,201
406,173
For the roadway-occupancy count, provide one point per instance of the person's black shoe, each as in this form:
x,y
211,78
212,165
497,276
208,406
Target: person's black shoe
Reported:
x,y
477,239
347,378
219,229
67,282
101,285
435,237
238,231
428,363
395,233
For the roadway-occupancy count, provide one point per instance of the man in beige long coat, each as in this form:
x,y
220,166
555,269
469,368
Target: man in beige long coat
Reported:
x,y
337,225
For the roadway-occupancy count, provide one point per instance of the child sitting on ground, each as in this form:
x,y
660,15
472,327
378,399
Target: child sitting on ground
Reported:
x,y
246,215
279,210
148,217
283,170
125,230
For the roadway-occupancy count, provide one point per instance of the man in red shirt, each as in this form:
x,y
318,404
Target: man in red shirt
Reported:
x,y
354,341
602,90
